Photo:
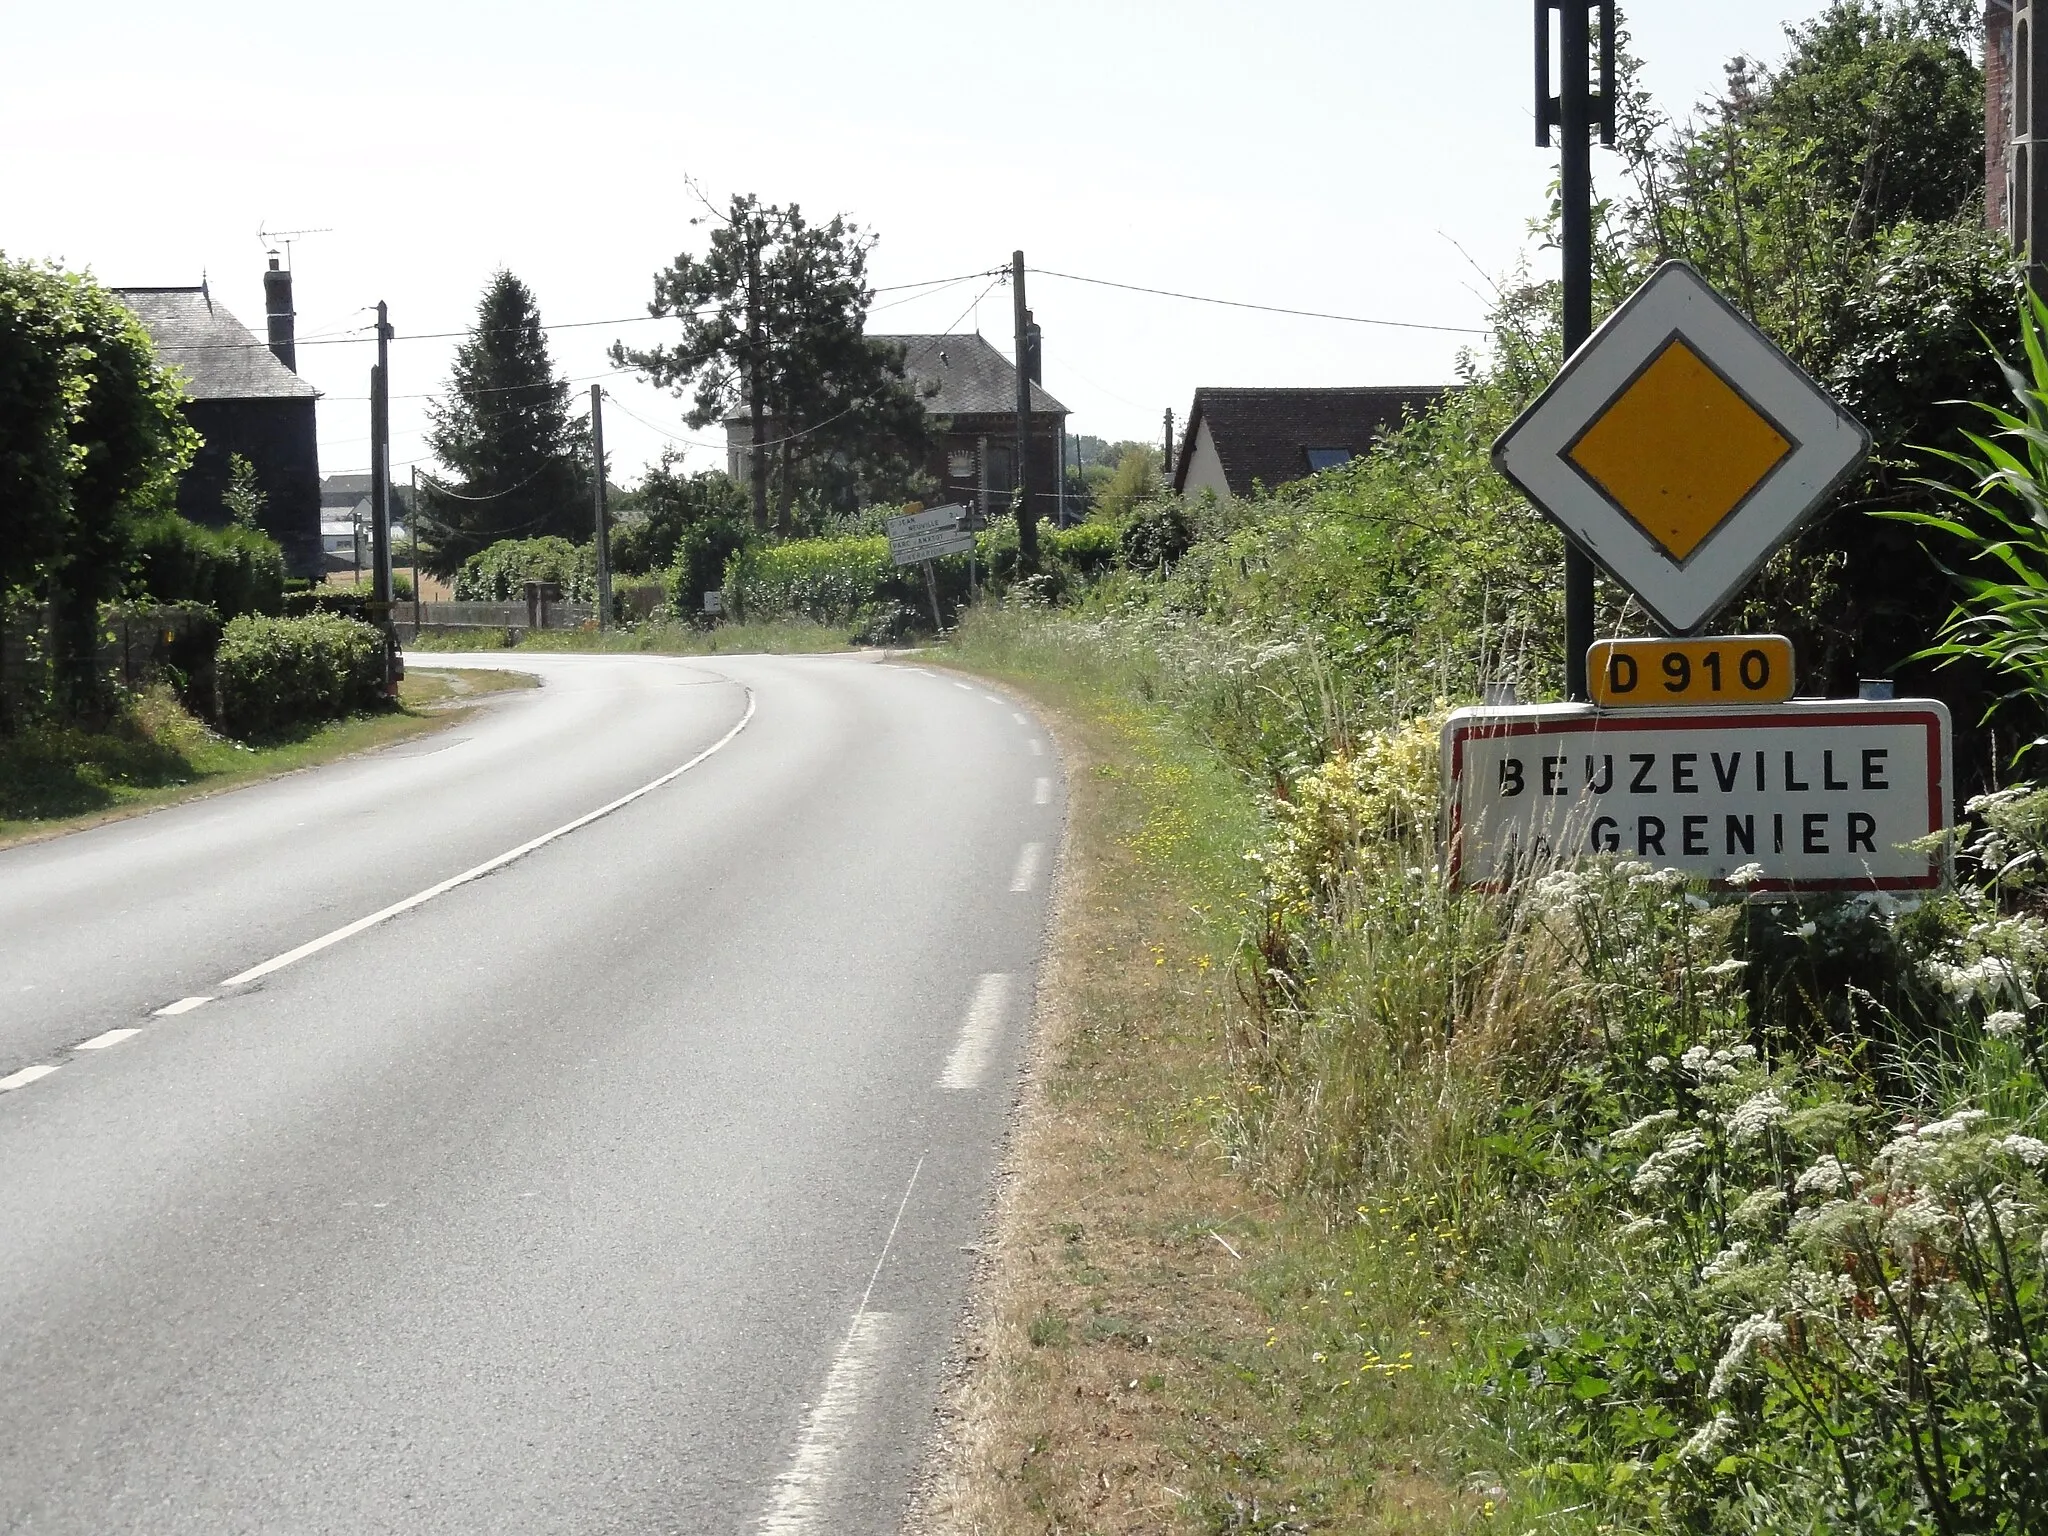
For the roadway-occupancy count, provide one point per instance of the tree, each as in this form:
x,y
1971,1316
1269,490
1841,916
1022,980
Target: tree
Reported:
x,y
772,322
244,499
655,515
520,462
91,441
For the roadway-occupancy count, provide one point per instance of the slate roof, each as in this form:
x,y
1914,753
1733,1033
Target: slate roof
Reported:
x,y
1265,435
974,379
215,352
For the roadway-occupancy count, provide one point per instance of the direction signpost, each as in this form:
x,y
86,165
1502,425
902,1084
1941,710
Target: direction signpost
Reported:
x,y
1679,447
919,538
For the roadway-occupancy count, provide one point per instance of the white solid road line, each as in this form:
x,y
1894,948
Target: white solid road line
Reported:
x,y
111,1037
24,1077
1037,748
977,1034
1041,792
802,1494
182,1005
350,930
1027,867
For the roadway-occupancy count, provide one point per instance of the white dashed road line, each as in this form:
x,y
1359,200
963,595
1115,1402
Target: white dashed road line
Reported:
x,y
1018,718
1037,747
978,1033
968,686
24,1077
1027,867
111,1037
1041,792
489,866
182,1005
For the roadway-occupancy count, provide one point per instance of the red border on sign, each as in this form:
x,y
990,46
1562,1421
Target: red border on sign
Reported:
x,y
1930,720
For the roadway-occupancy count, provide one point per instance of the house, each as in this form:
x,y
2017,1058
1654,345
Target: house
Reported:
x,y
243,396
973,390
346,523
1239,438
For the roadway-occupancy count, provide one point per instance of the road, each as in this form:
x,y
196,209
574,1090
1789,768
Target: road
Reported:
x,y
630,1186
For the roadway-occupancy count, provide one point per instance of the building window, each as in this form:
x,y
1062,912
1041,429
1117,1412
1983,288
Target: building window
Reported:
x,y
1320,459
1000,479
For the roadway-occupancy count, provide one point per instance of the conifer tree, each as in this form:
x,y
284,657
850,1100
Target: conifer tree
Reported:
x,y
516,464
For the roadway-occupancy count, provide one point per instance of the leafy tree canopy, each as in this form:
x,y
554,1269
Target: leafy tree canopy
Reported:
x,y
656,514
519,462
774,314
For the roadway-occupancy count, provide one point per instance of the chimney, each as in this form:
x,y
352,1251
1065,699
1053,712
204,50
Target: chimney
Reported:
x,y
1034,359
277,304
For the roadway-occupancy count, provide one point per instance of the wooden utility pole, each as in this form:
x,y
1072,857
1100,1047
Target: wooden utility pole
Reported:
x,y
1027,514
1166,454
1573,112
604,531
757,407
380,496
412,523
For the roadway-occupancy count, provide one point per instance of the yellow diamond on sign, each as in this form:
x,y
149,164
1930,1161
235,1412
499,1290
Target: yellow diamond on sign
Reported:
x,y
1678,449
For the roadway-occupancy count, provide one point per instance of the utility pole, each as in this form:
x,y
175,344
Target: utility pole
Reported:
x,y
757,408
380,493
1166,453
1575,111
604,532
412,523
1027,514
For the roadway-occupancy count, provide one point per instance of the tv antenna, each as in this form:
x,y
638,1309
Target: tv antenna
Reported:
x,y
272,238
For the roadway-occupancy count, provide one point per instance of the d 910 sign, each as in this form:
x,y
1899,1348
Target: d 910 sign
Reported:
x,y
1657,674
1820,795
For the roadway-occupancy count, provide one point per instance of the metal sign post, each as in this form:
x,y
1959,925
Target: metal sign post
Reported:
x,y
919,538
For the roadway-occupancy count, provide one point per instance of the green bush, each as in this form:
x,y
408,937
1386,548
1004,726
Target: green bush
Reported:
x,y
1086,550
233,570
830,581
277,674
500,574
702,552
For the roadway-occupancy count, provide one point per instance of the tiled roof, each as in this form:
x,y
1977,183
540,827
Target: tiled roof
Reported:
x,y
215,352
1266,435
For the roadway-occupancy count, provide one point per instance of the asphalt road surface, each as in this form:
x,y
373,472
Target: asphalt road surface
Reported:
x,y
628,1185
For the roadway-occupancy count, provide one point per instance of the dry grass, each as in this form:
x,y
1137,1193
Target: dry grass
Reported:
x,y
1147,1350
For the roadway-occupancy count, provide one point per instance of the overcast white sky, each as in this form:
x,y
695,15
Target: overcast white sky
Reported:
x,y
1345,156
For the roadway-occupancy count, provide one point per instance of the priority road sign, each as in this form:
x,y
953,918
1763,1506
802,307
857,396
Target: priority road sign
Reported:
x,y
1679,447
1821,795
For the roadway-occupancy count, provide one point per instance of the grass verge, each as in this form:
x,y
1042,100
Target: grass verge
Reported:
x,y
793,637
1158,1345
57,779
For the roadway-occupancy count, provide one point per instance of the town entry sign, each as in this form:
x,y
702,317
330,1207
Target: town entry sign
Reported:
x,y
1679,447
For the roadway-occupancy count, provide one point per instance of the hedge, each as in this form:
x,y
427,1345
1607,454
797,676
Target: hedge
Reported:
x,y
233,570
500,573
831,581
276,674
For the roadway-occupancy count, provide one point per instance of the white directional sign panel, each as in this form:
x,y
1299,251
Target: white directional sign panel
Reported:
x,y
928,535
1821,795
1679,446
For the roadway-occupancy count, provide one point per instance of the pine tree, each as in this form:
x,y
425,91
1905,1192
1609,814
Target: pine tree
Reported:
x,y
517,464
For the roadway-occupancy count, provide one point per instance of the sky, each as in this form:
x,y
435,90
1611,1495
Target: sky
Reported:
x,y
1370,158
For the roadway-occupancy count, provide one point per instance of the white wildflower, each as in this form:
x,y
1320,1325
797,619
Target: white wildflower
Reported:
x,y
1726,968
1955,1125
1641,1131
1917,1220
1756,1115
1750,1335
1805,930
1757,1210
2026,1148
1637,1227
1661,1166
1659,1063
2005,1024
1826,1177
1707,1440
1733,1257
1747,875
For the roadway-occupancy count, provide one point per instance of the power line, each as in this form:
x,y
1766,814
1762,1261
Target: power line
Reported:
x,y
1272,309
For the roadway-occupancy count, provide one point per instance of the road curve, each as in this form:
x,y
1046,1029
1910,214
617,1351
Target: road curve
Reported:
x,y
627,1187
